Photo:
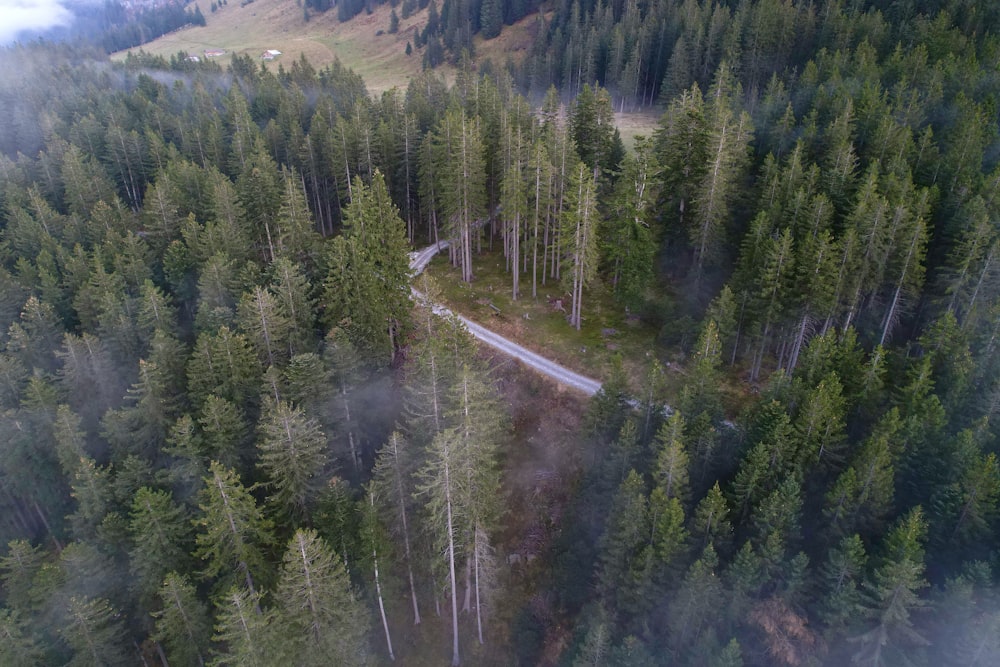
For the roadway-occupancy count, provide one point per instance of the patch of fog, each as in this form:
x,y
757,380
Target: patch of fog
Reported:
x,y
27,16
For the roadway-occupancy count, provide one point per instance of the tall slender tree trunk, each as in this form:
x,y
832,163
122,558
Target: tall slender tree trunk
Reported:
x,y
404,523
451,567
378,591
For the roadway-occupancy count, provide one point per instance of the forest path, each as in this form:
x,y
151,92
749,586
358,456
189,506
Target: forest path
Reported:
x,y
419,261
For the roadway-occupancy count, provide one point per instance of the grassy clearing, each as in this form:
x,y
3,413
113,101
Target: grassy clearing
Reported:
x,y
281,25
538,324
635,123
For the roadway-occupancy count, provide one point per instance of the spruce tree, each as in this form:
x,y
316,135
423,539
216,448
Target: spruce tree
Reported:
x,y
580,231
232,530
242,632
392,476
893,595
17,645
182,624
293,455
95,633
318,615
160,539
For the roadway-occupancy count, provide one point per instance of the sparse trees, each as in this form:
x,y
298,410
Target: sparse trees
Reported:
x,y
579,232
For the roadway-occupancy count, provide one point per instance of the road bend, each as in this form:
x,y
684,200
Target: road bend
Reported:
x,y
419,261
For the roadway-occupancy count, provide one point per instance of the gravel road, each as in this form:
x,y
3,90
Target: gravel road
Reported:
x,y
561,374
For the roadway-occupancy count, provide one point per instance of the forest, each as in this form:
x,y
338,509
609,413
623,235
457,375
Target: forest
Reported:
x,y
231,434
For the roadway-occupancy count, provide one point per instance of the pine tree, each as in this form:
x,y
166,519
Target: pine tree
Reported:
x,y
668,541
182,623
696,602
293,456
242,631
368,282
672,459
682,153
223,431
491,18
318,614
294,236
479,422
233,532
392,476
579,229
514,211
260,318
18,569
291,289
95,633
819,428
841,576
440,480
347,373
17,645
625,534
224,364
259,192
893,595
710,525
701,391
592,129
461,186
375,540
628,245
727,143
160,539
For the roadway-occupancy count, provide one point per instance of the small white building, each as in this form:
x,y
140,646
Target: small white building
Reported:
x,y
270,54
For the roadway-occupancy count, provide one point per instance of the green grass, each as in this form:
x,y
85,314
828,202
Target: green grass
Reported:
x,y
280,24
635,123
537,325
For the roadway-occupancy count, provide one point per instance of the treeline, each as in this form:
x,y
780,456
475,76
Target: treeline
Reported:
x,y
112,27
647,53
147,25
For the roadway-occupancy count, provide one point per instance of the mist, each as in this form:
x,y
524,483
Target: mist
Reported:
x,y
30,16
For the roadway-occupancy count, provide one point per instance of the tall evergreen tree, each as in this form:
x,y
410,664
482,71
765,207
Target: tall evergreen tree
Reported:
x,y
233,531
894,595
293,455
95,633
182,624
369,273
318,615
580,231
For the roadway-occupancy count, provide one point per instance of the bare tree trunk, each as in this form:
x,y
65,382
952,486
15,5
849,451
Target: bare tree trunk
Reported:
x,y
378,592
401,494
451,569
890,316
48,528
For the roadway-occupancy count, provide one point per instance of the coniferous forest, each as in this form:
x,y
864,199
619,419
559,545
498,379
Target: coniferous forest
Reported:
x,y
231,434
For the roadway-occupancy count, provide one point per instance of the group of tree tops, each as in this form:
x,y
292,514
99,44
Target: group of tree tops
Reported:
x,y
842,200
194,464
849,498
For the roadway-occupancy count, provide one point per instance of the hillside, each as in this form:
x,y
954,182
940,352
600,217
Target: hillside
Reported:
x,y
280,24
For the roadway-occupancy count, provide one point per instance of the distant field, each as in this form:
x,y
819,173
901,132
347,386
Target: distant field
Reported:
x,y
380,59
280,25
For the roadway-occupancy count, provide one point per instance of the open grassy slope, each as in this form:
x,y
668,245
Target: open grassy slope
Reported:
x,y
280,25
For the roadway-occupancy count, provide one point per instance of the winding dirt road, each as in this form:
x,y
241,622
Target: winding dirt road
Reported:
x,y
418,262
